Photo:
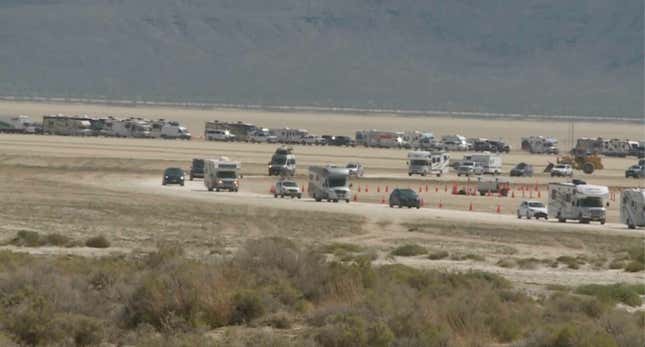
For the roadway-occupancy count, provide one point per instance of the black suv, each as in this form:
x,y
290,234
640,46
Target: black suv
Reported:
x,y
404,198
522,169
197,169
173,175
343,141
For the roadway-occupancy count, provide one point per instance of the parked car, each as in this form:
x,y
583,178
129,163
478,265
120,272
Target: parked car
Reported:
x,y
636,171
532,209
343,141
313,140
404,198
197,169
355,169
522,169
173,175
562,170
287,188
262,136
468,167
219,135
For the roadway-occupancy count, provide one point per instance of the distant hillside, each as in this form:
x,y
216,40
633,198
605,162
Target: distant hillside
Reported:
x,y
540,56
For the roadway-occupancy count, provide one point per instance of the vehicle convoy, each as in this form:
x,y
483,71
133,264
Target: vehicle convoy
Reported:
x,y
562,170
540,145
222,174
404,198
636,171
522,169
197,169
581,202
532,209
493,185
67,125
468,168
283,162
427,163
341,141
329,183
632,208
287,188
313,140
355,169
173,175
19,125
169,130
490,163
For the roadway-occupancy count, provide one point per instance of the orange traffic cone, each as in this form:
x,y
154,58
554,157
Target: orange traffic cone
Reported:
x,y
387,188
440,204
355,197
499,209
378,189
470,207
359,188
367,188
383,200
539,194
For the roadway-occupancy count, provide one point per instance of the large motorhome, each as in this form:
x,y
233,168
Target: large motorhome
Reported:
x,y
329,183
67,125
240,130
283,162
289,136
222,174
540,144
381,139
129,127
608,147
632,208
428,163
581,202
19,125
169,130
491,163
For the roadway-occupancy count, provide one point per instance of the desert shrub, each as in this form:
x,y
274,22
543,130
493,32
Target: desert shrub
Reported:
x,y
247,306
438,255
97,242
57,240
617,264
279,320
469,256
571,262
507,263
83,330
624,293
409,250
637,253
26,238
346,330
528,263
338,248
380,335
31,322
635,266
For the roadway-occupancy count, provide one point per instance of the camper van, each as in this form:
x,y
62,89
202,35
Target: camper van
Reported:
x,y
169,130
221,174
490,163
427,163
283,162
329,183
581,202
632,208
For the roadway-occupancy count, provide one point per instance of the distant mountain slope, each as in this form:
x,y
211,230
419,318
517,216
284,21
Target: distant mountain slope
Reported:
x,y
541,56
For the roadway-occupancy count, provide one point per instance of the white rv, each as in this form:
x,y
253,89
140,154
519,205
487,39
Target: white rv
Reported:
x,y
381,139
288,135
491,163
221,174
67,125
581,202
632,208
540,144
428,163
329,183
169,130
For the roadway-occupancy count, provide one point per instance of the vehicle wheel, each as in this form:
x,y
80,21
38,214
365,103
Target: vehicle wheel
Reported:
x,y
519,216
400,206
560,219
191,178
439,175
588,168
602,222
281,196
275,196
391,205
163,183
299,196
210,189
217,190
423,174
418,207
528,215
630,225
347,201
181,184
292,196
410,174
458,175
335,200
317,198
482,193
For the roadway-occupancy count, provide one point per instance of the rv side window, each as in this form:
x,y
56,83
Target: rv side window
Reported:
x,y
554,194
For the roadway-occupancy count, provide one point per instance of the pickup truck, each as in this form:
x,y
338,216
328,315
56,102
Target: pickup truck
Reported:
x,y
468,168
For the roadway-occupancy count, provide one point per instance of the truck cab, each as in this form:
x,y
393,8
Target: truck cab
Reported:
x,y
427,163
283,162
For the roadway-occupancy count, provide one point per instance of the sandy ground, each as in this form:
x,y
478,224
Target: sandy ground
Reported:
x,y
81,186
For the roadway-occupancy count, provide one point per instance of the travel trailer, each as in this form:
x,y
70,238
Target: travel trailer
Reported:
x,y
491,163
329,183
581,202
67,125
239,130
632,208
288,135
428,163
380,139
222,174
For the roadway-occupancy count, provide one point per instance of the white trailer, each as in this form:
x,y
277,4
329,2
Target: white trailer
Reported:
x,y
632,208
428,163
129,127
381,139
608,147
169,130
67,125
329,183
582,202
491,163
222,174
540,144
239,130
289,136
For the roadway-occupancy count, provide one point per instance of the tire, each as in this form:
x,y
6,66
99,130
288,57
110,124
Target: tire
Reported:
x,y
281,196
275,196
418,207
410,174
458,175
217,189
163,183
560,219
181,184
347,201
528,215
423,174
391,205
400,206
519,216
602,222
299,196
191,178
335,200
210,189
588,168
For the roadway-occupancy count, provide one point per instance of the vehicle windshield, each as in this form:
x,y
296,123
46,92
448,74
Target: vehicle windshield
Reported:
x,y
418,162
468,163
226,174
336,181
289,184
352,166
521,165
173,171
198,164
279,160
408,193
590,202
536,204
560,166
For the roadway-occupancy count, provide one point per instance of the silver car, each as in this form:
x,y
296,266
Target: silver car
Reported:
x,y
532,209
355,169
